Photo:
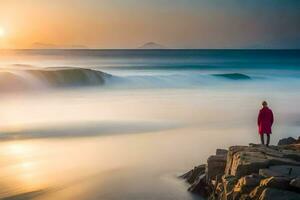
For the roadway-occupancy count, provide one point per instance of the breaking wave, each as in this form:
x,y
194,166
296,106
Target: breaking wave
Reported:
x,y
28,79
185,80
36,79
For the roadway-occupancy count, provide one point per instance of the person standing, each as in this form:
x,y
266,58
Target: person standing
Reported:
x,y
265,121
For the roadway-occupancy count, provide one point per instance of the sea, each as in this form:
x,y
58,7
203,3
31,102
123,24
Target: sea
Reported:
x,y
124,124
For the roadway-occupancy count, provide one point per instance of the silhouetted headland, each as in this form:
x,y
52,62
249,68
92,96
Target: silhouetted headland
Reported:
x,y
152,45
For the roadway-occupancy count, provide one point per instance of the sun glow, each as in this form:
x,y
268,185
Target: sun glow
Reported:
x,y
2,32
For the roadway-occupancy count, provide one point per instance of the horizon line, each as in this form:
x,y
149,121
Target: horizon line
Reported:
x,y
162,49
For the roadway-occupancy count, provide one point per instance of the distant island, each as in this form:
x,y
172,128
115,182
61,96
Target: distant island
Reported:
x,y
40,45
152,45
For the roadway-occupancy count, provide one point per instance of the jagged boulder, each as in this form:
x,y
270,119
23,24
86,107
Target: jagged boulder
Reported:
x,y
256,192
192,175
293,147
276,194
269,173
232,151
245,185
276,182
286,170
291,154
243,161
217,192
228,182
282,161
221,152
287,141
215,167
280,170
200,186
246,162
295,183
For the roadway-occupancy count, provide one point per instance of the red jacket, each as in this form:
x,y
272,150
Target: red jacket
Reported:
x,y
265,120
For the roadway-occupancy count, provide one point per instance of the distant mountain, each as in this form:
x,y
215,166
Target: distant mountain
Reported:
x,y
39,45
152,45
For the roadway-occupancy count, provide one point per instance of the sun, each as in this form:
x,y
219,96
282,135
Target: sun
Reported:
x,y
2,32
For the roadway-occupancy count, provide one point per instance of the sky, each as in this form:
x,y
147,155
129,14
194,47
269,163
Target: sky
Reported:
x,y
131,23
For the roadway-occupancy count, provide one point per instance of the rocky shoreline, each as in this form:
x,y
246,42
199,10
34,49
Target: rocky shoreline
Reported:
x,y
249,172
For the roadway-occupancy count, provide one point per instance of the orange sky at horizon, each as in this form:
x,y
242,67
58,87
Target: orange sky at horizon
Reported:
x,y
130,23
51,25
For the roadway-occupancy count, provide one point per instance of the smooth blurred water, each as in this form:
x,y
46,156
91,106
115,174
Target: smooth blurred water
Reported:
x,y
162,113
155,59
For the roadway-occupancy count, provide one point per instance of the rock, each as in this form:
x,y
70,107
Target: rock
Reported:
x,y
218,192
282,161
256,192
269,173
194,174
219,188
287,141
295,183
290,154
294,147
244,163
244,186
186,175
221,152
256,145
249,173
286,170
232,151
244,197
247,160
215,167
247,183
276,182
228,182
276,194
200,186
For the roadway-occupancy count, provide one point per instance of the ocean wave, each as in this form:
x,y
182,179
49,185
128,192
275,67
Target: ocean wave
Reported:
x,y
28,79
233,76
185,80
20,79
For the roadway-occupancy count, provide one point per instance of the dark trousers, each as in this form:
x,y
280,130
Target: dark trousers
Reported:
x,y
263,140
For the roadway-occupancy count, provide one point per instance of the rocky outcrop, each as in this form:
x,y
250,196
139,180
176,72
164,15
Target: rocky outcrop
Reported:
x,y
276,194
192,175
215,166
289,140
249,172
295,183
